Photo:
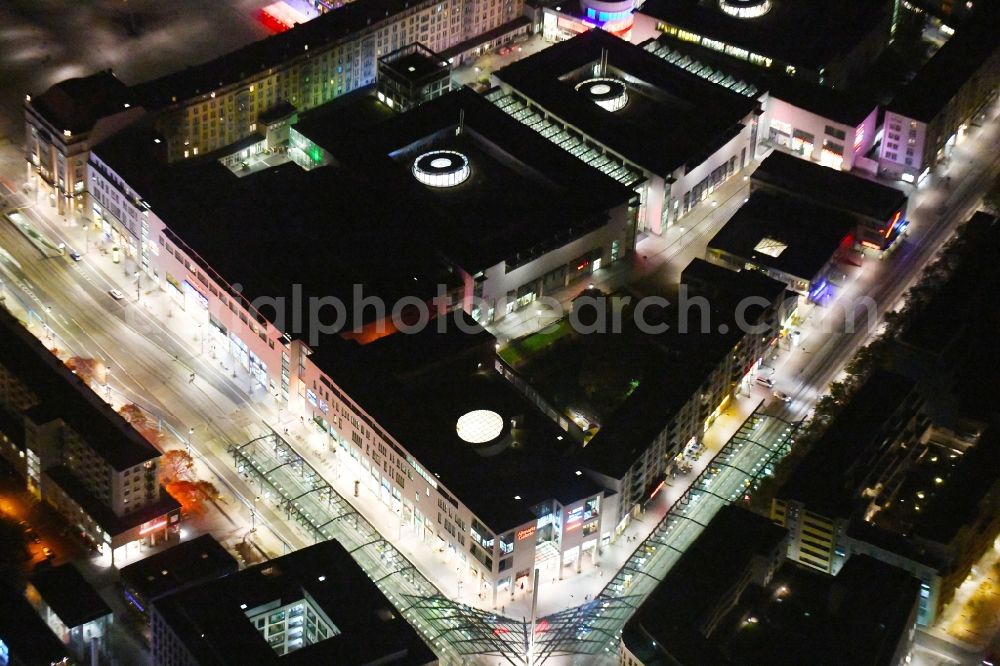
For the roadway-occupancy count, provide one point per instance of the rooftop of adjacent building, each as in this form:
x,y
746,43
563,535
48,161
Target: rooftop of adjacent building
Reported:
x,y
958,504
968,293
803,616
68,594
188,563
666,628
476,223
210,619
700,116
417,387
77,104
822,481
415,64
65,396
830,187
257,58
25,634
940,79
785,233
810,33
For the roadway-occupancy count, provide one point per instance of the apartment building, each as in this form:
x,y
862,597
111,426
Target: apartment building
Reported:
x,y
63,124
77,453
932,113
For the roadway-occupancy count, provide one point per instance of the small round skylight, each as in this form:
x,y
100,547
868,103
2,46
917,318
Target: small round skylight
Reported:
x,y
745,8
441,168
479,426
610,94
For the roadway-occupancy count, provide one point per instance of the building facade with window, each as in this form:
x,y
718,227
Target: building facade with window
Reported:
x,y
80,455
604,101
953,90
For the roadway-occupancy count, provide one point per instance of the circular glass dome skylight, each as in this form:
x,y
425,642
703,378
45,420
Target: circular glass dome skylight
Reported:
x,y
745,8
441,168
479,426
610,94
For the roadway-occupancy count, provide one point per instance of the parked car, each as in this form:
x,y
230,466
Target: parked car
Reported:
x,y
783,397
115,294
765,381
75,256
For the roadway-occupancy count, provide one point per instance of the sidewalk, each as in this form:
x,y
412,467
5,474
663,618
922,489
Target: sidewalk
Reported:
x,y
661,256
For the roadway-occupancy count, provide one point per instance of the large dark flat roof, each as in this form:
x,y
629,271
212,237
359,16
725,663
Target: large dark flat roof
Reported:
x,y
213,627
477,223
959,504
183,565
261,55
26,635
666,626
64,395
951,67
830,187
418,385
678,362
858,617
77,104
822,481
69,595
812,234
809,33
672,116
969,289
327,229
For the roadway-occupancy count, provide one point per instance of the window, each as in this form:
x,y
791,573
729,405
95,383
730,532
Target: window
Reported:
x,y
835,133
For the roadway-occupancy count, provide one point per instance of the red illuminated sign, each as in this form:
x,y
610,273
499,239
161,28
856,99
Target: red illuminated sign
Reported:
x,y
153,526
525,533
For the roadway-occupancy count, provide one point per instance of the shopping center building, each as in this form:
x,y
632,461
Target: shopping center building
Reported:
x,y
604,100
450,165
455,161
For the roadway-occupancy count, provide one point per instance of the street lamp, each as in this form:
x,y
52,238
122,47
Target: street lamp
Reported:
x,y
188,443
253,515
138,292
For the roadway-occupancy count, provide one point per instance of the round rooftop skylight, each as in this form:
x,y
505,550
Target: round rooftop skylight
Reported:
x,y
745,8
479,426
441,168
610,94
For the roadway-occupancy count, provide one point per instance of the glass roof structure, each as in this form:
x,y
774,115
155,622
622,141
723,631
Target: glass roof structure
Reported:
x,y
574,145
698,68
455,630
